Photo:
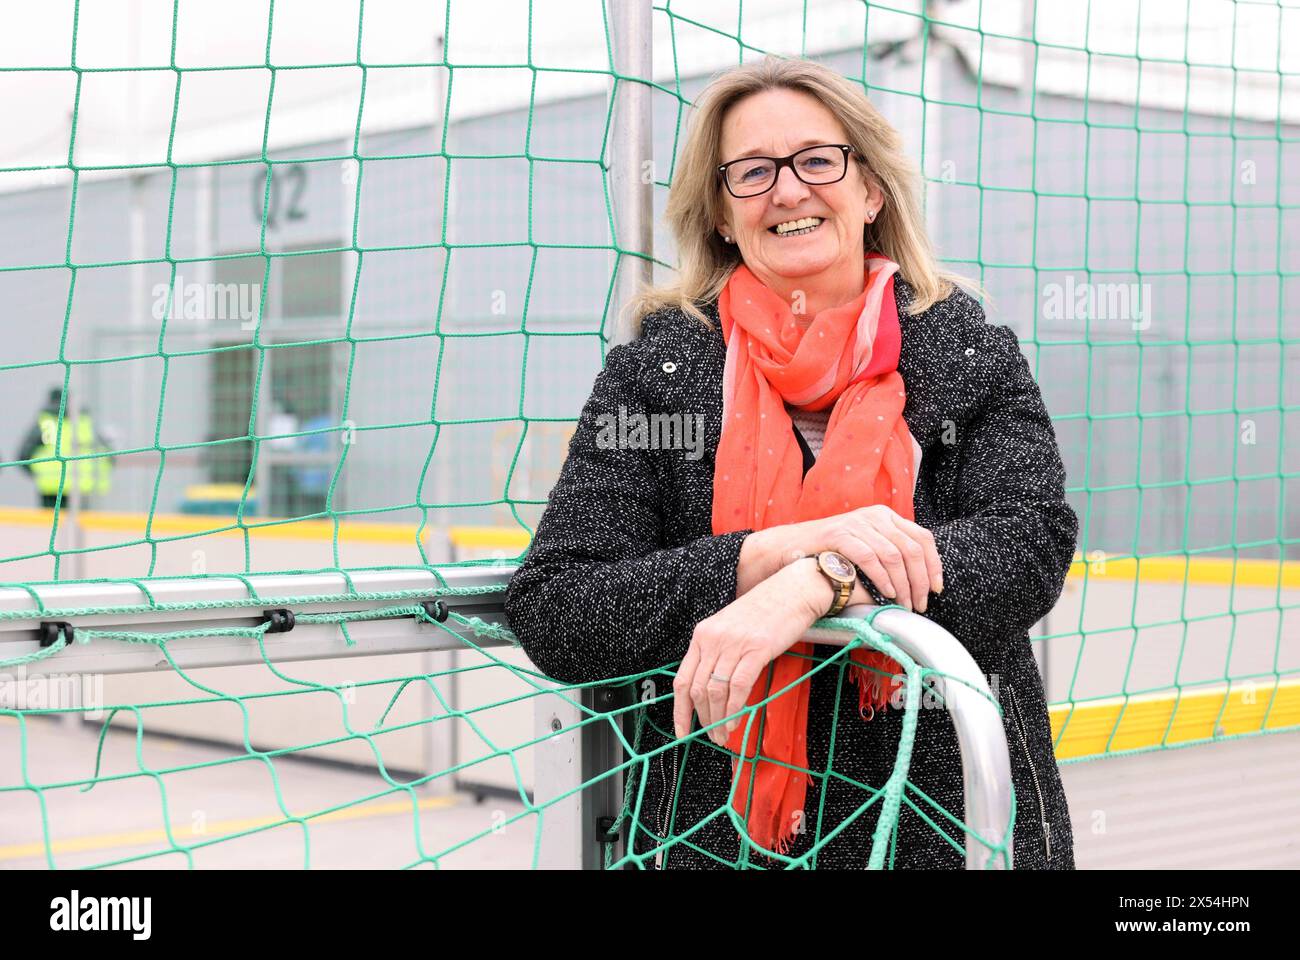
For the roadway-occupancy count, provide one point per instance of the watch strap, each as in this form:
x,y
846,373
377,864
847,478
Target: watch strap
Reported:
x,y
843,588
844,591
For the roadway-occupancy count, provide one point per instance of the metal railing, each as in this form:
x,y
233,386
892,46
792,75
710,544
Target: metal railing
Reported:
x,y
573,730
575,831
985,756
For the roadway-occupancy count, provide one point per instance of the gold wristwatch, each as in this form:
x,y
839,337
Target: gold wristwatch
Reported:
x,y
842,575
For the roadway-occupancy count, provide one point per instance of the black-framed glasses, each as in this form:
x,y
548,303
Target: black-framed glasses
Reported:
x,y
820,164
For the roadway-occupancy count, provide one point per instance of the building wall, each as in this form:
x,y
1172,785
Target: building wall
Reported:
x,y
447,246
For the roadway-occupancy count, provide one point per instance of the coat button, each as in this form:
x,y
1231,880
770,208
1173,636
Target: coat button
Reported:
x,y
970,351
669,366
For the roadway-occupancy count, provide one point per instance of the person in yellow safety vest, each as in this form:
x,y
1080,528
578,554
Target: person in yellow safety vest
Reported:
x,y
94,473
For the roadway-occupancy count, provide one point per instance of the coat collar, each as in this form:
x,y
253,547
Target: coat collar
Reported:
x,y
930,358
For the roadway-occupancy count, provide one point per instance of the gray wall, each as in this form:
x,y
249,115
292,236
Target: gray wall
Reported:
x,y
1140,414
1145,418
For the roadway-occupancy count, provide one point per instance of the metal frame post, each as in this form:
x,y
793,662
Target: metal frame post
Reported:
x,y
575,829
985,756
631,150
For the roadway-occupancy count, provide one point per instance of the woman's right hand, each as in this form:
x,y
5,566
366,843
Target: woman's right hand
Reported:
x,y
897,555
730,649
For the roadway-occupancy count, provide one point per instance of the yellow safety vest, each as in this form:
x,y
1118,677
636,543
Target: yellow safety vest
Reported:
x,y
94,472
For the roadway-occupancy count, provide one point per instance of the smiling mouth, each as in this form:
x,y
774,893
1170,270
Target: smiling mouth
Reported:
x,y
796,233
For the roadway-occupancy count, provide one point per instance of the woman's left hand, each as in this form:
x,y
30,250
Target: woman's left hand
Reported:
x,y
740,640
899,556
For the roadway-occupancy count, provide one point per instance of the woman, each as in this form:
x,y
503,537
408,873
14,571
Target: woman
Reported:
x,y
854,400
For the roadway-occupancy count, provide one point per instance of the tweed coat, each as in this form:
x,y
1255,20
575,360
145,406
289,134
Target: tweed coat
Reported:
x,y
623,565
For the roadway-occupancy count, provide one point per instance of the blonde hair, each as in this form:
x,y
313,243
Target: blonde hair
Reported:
x,y
695,200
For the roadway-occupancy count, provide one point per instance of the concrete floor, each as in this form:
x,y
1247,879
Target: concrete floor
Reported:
x,y
1233,805
126,818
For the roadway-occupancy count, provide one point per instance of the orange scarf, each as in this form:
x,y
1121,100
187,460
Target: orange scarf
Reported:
x,y
848,356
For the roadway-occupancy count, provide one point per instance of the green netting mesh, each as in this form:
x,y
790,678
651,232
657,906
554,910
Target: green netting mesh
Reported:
x,y
429,842
326,346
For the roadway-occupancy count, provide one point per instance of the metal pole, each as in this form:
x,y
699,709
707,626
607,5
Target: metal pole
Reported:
x,y
443,478
631,156
571,752
219,603
71,418
932,88
72,719
263,391
137,219
440,742
557,774
137,330
985,758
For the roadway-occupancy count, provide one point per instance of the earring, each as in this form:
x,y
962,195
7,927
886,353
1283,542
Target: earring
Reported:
x,y
727,239
871,215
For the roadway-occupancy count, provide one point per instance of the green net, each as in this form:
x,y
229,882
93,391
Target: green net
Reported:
x,y
327,300
126,761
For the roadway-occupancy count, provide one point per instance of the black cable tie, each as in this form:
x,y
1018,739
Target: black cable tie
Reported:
x,y
436,609
605,832
51,630
281,620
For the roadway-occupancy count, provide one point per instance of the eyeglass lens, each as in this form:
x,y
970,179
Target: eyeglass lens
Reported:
x,y
814,165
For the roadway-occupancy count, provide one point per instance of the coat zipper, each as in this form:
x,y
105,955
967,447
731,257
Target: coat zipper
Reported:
x,y
1024,742
661,858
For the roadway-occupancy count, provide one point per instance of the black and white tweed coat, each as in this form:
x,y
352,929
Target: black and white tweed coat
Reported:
x,y
623,565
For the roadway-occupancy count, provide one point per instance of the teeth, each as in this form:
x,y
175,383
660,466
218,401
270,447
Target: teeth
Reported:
x,y
797,224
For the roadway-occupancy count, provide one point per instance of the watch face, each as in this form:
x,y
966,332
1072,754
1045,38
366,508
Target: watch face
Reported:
x,y
836,565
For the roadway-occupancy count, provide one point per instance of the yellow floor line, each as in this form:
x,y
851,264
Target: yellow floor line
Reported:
x,y
1200,571
137,838
171,524
1097,565
1145,720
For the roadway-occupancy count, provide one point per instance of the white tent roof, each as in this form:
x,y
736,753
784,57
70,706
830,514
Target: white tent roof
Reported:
x,y
1240,67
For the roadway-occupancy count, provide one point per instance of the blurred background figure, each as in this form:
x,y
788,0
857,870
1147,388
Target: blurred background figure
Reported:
x,y
94,473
